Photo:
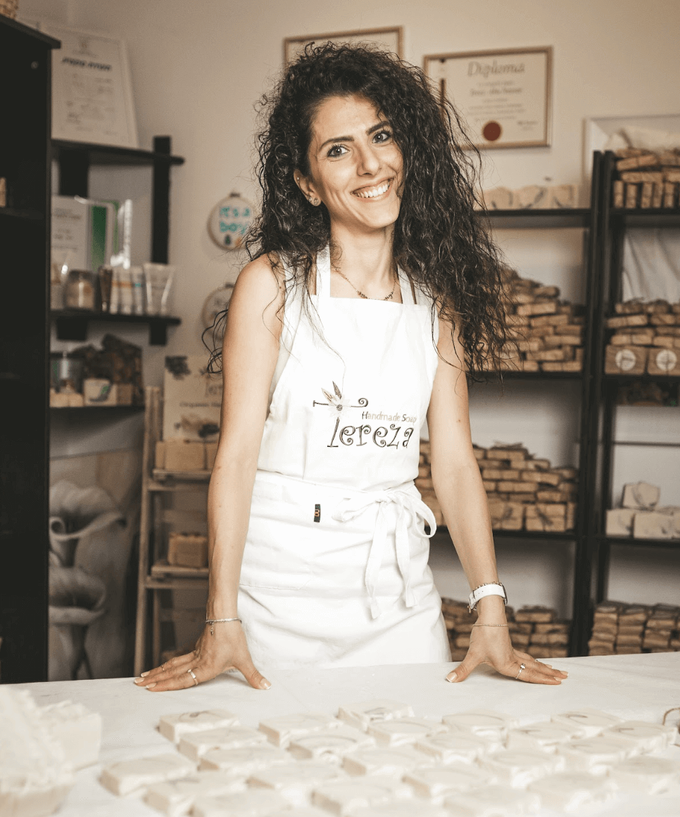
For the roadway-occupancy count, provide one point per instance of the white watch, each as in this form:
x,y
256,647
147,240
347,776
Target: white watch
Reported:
x,y
491,589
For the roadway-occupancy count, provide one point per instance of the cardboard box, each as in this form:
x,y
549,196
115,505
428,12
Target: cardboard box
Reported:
x,y
184,455
210,454
625,359
160,454
663,361
188,550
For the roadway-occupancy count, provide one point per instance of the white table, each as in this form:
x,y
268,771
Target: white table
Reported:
x,y
631,686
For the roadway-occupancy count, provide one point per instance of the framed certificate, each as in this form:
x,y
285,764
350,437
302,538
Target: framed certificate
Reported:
x,y
504,96
390,39
91,91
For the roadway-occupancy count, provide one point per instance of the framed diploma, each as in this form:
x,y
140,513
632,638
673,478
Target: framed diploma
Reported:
x,y
91,91
389,39
504,96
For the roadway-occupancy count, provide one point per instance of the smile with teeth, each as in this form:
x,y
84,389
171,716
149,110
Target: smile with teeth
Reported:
x,y
373,192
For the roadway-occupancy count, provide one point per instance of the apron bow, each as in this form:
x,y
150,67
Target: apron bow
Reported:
x,y
409,508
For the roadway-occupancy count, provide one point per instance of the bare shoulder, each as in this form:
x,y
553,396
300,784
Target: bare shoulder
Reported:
x,y
261,278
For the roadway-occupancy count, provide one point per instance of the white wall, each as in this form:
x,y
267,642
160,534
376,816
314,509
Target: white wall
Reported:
x,y
198,68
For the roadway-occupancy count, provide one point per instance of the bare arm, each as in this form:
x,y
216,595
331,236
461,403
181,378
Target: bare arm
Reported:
x,y
460,491
250,351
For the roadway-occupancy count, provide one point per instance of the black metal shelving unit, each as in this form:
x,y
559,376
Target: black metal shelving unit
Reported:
x,y
607,291
72,324
587,219
25,103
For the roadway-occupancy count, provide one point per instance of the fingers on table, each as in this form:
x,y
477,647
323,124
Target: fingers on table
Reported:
x,y
531,671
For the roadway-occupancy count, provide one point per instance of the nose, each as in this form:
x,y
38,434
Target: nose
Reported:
x,y
369,162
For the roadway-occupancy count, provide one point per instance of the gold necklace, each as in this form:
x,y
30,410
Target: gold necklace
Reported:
x,y
360,293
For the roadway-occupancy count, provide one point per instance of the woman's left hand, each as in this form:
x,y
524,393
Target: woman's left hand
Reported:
x,y
492,645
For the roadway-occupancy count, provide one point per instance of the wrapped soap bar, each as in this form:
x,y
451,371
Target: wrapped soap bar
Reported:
x,y
652,775
384,761
519,767
572,791
590,721
346,796
295,781
483,723
176,725
401,731
196,744
361,715
449,746
78,729
331,745
493,801
284,728
242,761
250,803
177,797
640,495
436,782
128,776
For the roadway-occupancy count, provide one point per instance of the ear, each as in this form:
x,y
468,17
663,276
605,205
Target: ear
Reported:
x,y
307,188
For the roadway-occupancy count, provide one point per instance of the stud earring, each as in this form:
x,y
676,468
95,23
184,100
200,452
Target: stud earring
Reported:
x,y
314,201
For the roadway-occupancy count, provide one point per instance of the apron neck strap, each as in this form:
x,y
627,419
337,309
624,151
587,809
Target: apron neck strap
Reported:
x,y
323,279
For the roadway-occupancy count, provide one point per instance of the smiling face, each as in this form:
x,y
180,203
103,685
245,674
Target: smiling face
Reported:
x,y
355,166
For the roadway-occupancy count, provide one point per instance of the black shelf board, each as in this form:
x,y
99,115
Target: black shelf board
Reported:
x,y
511,374
113,155
577,217
557,536
645,378
30,32
72,324
630,540
24,215
657,217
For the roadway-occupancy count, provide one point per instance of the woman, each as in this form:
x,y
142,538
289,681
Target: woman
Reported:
x,y
371,294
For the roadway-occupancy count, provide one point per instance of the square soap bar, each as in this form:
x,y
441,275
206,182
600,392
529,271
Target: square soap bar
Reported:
x,y
177,797
403,808
652,775
519,767
401,731
644,737
331,745
594,755
295,781
78,729
175,726
453,746
281,730
544,736
572,791
436,782
196,744
493,801
250,803
590,721
345,797
242,761
362,714
128,776
483,723
385,761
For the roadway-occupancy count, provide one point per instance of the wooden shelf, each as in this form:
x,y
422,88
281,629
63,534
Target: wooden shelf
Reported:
x,y
164,570
73,324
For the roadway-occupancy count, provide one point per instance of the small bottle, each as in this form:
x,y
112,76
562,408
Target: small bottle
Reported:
x,y
80,290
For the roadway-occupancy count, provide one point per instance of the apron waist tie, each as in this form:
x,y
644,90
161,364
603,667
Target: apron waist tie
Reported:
x,y
409,507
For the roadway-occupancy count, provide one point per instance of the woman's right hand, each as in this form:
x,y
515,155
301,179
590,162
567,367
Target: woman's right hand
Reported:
x,y
214,654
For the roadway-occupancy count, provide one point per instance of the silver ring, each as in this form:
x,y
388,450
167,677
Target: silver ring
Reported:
x,y
191,672
522,667
162,667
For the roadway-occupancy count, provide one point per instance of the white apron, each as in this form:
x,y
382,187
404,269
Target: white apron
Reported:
x,y
335,567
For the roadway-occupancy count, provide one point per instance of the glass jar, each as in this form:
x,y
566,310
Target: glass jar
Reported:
x,y
80,290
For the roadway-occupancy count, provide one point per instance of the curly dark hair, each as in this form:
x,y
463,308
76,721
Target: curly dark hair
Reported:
x,y
439,241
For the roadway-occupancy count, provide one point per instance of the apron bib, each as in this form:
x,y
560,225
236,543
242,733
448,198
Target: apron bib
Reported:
x,y
335,567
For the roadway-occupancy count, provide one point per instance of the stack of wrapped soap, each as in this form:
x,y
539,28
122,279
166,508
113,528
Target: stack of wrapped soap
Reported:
x,y
545,332
646,179
179,455
536,630
377,758
645,338
641,516
621,629
524,492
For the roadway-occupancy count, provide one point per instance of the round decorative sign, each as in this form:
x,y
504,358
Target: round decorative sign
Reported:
x,y
229,221
625,360
666,360
216,302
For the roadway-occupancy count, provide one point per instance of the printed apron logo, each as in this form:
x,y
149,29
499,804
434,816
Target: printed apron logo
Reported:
x,y
392,436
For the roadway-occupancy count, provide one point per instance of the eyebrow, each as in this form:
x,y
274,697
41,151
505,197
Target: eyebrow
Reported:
x,y
379,126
